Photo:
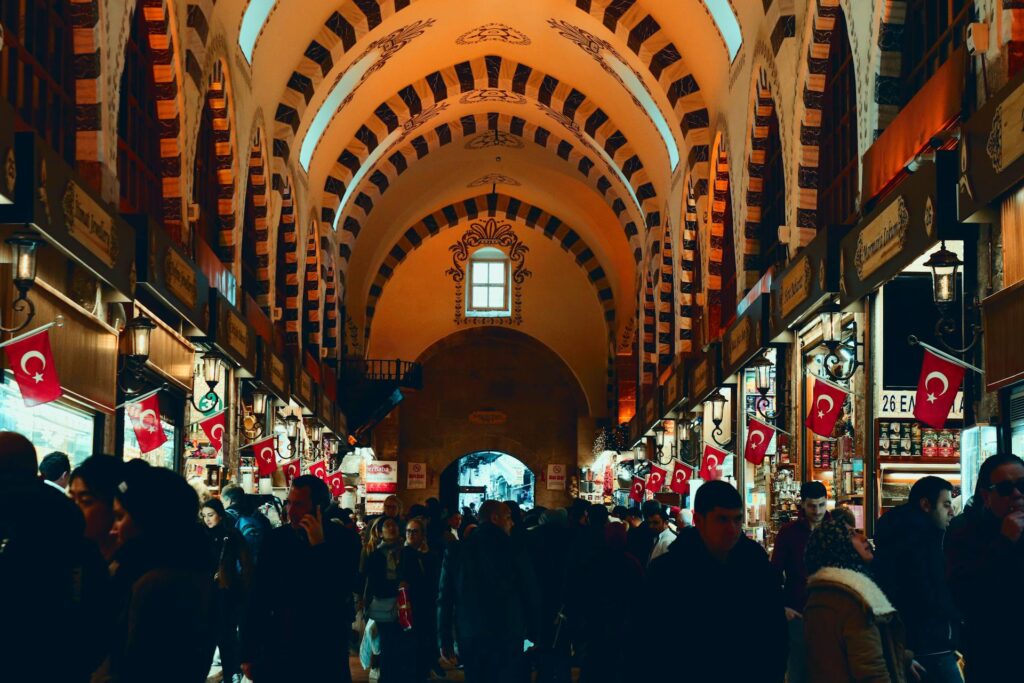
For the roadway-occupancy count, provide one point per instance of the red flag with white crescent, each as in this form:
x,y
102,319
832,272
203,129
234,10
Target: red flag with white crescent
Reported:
x,y
759,436
936,389
291,470
711,463
826,407
336,482
31,361
266,457
655,479
681,475
636,490
319,469
145,419
213,427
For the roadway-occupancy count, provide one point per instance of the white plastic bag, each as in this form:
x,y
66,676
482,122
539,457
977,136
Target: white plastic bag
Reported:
x,y
369,645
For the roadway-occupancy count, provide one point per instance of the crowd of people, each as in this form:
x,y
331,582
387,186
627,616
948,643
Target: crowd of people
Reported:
x,y
120,573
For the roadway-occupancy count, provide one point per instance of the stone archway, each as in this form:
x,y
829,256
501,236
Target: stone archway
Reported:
x,y
489,474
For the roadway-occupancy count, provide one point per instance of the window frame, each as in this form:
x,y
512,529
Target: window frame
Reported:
x,y
490,257
839,160
927,43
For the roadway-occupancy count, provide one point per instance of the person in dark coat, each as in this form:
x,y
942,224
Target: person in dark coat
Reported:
x,y
489,598
548,545
164,629
421,570
984,567
297,623
910,567
734,636
232,576
384,576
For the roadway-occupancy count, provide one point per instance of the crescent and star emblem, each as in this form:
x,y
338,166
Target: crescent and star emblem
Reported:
x,y
38,376
680,476
264,454
148,419
713,459
831,405
656,480
638,488
217,433
942,378
756,438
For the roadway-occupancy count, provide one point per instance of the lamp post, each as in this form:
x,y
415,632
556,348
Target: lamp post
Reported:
x,y
211,375
23,247
659,442
763,369
836,346
138,333
944,265
294,432
718,403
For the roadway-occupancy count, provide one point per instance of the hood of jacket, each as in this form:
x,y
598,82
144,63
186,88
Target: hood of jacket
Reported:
x,y
858,585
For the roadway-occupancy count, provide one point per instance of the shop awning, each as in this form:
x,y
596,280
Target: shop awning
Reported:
x,y
806,282
8,170
745,337
907,222
991,151
704,376
166,274
231,334
69,215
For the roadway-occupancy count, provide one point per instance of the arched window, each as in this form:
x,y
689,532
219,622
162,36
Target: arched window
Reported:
x,y
36,73
837,165
138,128
773,208
488,289
932,31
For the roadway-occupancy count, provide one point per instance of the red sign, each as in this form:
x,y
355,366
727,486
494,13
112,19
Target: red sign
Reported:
x,y
381,476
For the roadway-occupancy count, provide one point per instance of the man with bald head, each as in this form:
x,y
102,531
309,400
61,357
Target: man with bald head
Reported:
x,y
489,602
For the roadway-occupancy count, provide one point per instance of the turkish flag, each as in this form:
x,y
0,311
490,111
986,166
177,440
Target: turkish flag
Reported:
x,y
213,427
266,458
826,407
336,482
681,478
711,463
759,435
936,389
291,469
636,491
655,479
145,418
319,469
31,360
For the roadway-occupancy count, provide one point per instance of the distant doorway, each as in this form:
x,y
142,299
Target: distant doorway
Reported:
x,y
484,475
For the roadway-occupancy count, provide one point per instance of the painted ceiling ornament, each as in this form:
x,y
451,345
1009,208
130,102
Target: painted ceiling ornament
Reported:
x,y
495,138
430,112
494,179
489,233
493,32
566,122
388,46
491,95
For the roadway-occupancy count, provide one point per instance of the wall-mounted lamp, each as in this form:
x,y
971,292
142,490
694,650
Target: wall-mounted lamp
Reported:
x,y
718,403
137,334
294,428
842,349
659,443
944,265
23,247
258,415
763,374
211,375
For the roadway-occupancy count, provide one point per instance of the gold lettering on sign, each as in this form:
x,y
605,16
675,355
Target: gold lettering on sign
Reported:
x,y
277,374
796,286
238,334
881,239
180,279
700,376
740,339
305,387
88,223
1006,139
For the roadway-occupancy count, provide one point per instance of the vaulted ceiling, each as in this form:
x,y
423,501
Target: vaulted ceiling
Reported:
x,y
587,110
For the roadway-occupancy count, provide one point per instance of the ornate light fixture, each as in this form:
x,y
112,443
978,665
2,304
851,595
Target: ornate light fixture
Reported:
x,y
837,347
944,265
23,246
315,432
257,416
718,403
763,369
659,443
138,332
211,375
294,427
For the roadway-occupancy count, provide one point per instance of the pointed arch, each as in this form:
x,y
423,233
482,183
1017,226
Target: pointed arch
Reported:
x,y
213,188
312,300
650,344
688,274
287,272
666,295
330,318
718,269
255,227
766,190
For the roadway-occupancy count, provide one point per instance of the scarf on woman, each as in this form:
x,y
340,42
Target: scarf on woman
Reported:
x,y
830,546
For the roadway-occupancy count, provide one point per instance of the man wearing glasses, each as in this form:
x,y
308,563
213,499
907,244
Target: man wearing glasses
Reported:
x,y
985,566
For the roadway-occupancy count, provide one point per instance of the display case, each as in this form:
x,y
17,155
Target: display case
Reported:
x,y
908,450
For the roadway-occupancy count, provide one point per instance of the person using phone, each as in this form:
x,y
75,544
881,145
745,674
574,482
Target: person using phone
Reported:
x,y
296,628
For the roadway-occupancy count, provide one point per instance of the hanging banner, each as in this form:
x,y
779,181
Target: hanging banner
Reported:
x,y
145,419
381,476
31,360
556,477
416,477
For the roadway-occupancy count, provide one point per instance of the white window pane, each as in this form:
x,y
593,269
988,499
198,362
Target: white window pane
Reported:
x,y
497,273
480,273
497,298
479,297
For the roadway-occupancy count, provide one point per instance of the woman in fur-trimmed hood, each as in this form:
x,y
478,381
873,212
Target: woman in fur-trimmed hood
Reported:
x,y
853,632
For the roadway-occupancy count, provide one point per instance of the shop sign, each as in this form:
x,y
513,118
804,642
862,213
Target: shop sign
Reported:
x,y
416,476
381,476
556,477
674,389
181,278
908,222
992,150
702,379
808,279
650,411
900,404
341,424
326,410
237,333
90,224
1000,312
278,374
305,388
796,285
168,276
744,338
8,169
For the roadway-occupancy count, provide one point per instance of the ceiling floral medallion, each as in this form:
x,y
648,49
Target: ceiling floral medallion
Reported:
x,y
494,179
489,233
493,33
415,122
495,138
491,95
382,50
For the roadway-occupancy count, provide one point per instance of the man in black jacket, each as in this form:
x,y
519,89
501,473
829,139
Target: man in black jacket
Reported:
x,y
723,579
910,567
489,600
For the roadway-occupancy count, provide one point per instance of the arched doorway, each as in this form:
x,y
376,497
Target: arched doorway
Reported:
x,y
484,475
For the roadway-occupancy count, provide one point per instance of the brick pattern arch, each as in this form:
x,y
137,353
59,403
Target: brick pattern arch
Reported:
x,y
328,274
85,41
287,272
257,202
649,352
419,101
197,37
666,295
824,21
888,96
475,127
512,209
221,108
312,299
714,245
749,247
688,281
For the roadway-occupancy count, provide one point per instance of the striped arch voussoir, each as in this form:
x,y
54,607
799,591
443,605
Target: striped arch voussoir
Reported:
x,y
888,93
197,36
688,284
218,99
764,109
287,284
716,242
650,328
256,188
